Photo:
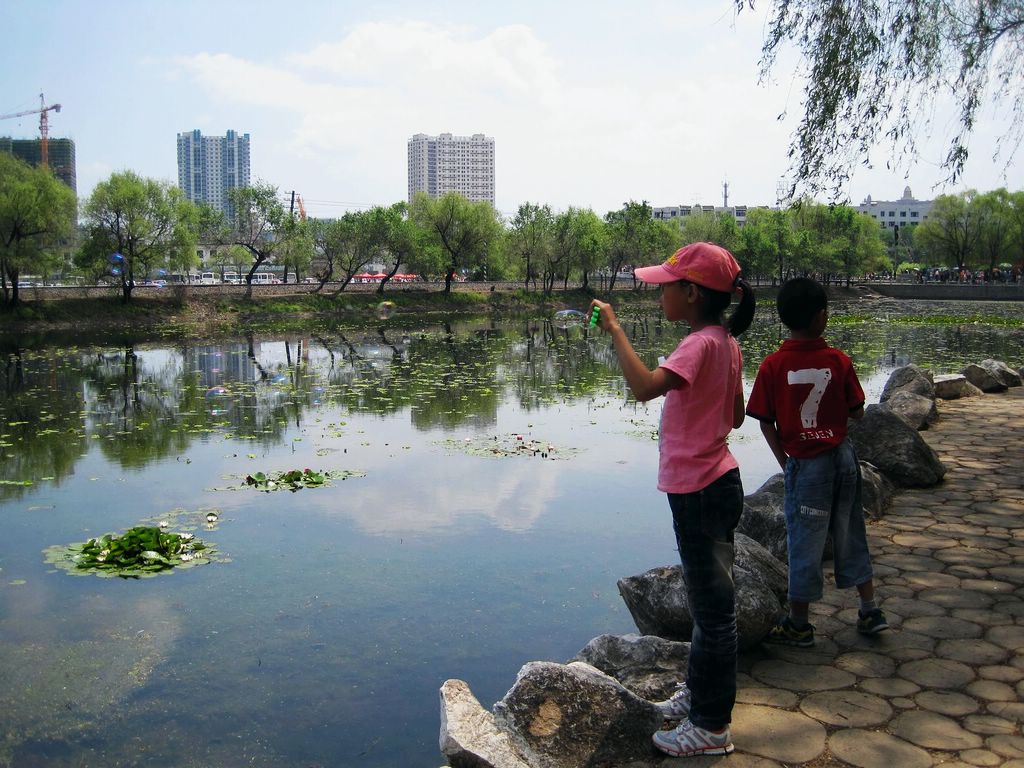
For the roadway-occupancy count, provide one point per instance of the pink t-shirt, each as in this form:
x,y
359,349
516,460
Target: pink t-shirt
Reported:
x,y
697,416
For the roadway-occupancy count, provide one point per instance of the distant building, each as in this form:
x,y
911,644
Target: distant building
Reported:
x,y
682,212
210,166
446,163
891,214
61,153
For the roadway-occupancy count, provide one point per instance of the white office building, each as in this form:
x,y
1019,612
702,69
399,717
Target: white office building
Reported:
x,y
210,166
447,163
891,214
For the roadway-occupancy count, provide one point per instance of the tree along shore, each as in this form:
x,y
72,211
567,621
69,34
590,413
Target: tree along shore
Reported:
x,y
205,308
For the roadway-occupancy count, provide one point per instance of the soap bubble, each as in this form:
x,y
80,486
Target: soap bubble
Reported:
x,y
569,318
385,310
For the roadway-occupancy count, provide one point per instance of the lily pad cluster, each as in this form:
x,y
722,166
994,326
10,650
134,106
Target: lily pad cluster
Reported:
x,y
292,480
139,552
503,446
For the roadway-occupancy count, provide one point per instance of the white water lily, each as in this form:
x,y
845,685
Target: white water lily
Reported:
x,y
186,557
211,517
187,536
164,524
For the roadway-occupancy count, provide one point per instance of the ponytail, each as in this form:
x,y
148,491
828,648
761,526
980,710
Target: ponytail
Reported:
x,y
743,315
716,302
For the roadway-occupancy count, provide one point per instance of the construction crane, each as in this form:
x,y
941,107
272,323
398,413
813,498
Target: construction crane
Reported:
x,y
44,127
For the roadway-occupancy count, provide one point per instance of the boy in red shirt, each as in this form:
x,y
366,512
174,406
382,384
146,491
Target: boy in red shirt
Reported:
x,y
803,396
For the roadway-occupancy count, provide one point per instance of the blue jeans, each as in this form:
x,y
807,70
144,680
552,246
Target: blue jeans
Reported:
x,y
823,497
704,522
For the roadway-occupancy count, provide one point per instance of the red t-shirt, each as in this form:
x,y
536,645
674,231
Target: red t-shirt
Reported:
x,y
807,389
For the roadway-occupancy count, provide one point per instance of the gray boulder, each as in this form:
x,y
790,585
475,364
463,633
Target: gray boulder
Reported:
x,y
763,518
470,738
658,603
917,411
876,491
983,379
649,666
562,715
883,439
950,386
1003,372
911,379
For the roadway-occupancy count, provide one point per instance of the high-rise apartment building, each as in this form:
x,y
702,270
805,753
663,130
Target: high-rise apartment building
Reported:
x,y
60,153
210,166
446,163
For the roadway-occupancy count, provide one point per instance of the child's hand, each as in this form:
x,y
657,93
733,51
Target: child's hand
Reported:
x,y
606,320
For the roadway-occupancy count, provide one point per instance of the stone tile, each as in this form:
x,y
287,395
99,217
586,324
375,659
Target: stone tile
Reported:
x,y
947,703
801,677
772,697
848,709
932,580
1009,637
991,690
870,749
981,757
1006,745
909,607
866,664
890,687
943,627
936,673
989,725
971,651
954,598
990,617
789,737
933,731
1001,672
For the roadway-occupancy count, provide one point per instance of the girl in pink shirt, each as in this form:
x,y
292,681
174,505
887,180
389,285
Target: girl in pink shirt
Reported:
x,y
702,384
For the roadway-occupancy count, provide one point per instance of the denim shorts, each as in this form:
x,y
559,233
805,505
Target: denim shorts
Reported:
x,y
823,498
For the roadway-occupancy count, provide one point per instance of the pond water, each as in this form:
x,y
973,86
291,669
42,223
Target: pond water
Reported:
x,y
501,482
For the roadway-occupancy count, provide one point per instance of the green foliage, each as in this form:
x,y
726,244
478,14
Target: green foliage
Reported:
x,y
458,234
634,237
37,212
292,480
139,551
876,69
148,224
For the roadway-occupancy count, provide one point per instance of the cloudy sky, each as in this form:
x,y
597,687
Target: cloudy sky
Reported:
x,y
590,103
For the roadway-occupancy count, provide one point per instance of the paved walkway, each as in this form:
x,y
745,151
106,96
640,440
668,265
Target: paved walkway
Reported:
x,y
945,685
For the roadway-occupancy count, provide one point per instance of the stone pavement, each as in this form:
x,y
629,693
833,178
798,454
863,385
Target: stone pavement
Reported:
x,y
945,684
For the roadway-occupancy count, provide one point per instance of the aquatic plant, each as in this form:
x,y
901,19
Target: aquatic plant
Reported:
x,y
141,551
291,480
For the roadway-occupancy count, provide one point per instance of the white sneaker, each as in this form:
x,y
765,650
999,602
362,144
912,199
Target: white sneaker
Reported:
x,y
689,740
676,706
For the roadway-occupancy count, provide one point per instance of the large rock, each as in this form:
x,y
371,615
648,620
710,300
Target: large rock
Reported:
x,y
658,604
911,379
649,666
573,715
898,451
470,738
983,379
764,518
950,386
1003,372
917,411
876,490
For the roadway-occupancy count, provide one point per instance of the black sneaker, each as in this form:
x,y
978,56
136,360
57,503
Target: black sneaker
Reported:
x,y
785,633
872,622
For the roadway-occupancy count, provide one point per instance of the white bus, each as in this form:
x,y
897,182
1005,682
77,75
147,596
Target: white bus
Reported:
x,y
208,278
265,278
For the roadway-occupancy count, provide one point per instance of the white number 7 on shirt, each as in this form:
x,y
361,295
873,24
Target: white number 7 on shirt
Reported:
x,y
819,379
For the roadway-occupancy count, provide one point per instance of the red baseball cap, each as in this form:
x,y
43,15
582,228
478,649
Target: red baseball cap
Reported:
x,y
705,264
